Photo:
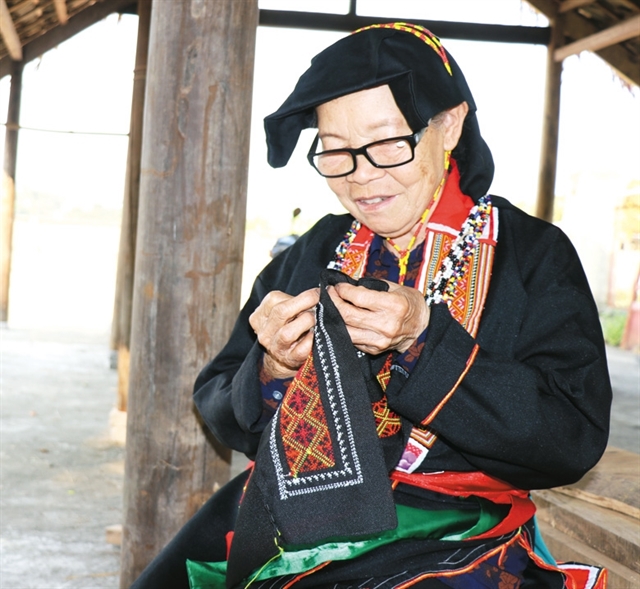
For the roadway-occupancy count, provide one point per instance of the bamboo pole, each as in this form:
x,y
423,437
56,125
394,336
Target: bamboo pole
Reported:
x,y
188,259
551,125
9,185
121,324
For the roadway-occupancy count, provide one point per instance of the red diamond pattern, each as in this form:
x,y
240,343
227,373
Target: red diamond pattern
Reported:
x,y
303,425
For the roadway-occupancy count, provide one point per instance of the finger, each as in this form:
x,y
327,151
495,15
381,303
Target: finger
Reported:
x,y
351,315
295,329
278,308
302,349
261,314
288,309
367,340
362,297
274,298
377,316
287,361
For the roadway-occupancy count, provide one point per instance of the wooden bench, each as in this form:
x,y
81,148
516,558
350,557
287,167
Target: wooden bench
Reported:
x,y
597,520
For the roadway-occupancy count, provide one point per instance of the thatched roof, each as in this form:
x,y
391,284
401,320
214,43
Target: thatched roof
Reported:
x,y
29,28
611,28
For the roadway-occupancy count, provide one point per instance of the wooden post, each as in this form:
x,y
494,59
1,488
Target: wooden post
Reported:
x,y
195,153
121,324
9,185
551,124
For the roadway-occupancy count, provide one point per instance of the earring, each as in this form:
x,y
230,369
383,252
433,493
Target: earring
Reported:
x,y
447,159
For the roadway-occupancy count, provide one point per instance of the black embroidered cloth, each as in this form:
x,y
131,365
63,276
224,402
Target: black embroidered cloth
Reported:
x,y
321,471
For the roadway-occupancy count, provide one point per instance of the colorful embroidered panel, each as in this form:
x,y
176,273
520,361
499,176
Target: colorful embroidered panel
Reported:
x,y
324,465
468,298
303,425
387,422
466,302
463,304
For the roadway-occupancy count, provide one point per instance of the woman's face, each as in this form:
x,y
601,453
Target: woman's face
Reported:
x,y
389,201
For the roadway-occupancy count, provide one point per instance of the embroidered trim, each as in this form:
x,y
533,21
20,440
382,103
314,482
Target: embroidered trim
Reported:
x,y
344,260
347,469
303,425
423,34
462,281
454,267
387,422
444,400
454,573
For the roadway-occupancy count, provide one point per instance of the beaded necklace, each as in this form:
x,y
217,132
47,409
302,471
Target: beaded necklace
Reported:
x,y
455,264
403,255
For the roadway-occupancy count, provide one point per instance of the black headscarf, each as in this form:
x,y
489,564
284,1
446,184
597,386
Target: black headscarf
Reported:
x,y
424,80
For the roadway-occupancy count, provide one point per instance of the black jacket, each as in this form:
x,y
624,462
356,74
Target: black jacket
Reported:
x,y
533,409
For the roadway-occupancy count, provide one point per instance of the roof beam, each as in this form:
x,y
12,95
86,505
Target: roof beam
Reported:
x,y
576,27
77,23
61,11
9,33
548,7
568,5
612,36
451,30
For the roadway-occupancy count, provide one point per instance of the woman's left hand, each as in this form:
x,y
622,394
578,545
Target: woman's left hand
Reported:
x,y
381,321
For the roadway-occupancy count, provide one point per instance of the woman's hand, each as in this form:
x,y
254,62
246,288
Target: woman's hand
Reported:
x,y
381,321
284,326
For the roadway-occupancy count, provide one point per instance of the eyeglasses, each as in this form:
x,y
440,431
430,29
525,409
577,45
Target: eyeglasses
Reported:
x,y
387,153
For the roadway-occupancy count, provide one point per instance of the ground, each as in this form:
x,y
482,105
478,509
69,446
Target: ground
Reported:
x,y
61,477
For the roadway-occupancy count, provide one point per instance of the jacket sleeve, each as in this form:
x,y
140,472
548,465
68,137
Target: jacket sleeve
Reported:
x,y
227,391
528,401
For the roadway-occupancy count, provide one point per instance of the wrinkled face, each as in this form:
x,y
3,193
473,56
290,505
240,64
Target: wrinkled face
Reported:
x,y
389,201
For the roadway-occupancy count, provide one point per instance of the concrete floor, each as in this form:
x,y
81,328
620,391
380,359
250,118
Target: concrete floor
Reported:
x,y
624,370
61,475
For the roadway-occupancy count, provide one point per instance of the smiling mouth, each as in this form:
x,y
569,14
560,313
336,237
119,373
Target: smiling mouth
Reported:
x,y
373,201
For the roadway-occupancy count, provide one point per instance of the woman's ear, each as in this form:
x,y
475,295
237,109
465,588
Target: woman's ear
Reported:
x,y
452,124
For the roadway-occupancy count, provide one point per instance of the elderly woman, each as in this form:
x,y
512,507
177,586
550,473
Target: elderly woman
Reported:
x,y
404,374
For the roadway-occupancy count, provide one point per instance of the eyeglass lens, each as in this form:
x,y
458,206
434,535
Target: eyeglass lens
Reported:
x,y
382,153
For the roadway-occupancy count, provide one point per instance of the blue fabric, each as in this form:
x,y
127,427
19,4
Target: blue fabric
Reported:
x,y
501,570
539,547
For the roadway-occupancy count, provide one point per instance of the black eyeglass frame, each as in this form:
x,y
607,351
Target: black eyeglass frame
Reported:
x,y
412,140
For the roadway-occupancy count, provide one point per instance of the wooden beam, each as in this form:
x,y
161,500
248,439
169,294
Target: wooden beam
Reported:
x,y
7,205
77,23
446,29
623,31
61,11
551,125
568,5
577,27
192,213
121,325
313,21
630,4
548,7
9,33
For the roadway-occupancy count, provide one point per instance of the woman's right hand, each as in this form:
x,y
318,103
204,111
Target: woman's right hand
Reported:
x,y
284,326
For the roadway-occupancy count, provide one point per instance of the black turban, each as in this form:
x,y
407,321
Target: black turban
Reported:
x,y
424,80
